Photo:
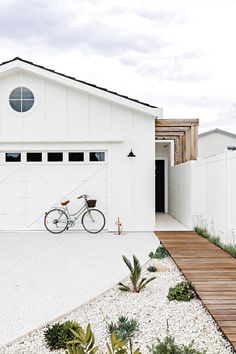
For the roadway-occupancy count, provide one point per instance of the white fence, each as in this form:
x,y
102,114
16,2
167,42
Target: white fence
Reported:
x,y
204,192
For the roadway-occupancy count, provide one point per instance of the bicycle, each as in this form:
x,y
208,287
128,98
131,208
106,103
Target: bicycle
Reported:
x,y
59,219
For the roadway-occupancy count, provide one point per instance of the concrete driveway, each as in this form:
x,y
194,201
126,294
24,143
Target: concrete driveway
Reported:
x,y
43,276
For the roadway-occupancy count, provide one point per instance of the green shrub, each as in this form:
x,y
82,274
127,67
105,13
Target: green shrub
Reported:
x,y
215,240
183,291
135,274
152,269
231,249
124,328
202,231
160,253
58,334
168,346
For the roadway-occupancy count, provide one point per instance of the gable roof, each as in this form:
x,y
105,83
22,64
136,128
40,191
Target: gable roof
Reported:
x,y
155,111
219,131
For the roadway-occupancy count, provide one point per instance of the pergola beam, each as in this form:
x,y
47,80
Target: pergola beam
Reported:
x,y
184,133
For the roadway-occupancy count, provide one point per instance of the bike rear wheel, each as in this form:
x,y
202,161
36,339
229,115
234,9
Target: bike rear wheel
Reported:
x,y
93,221
56,221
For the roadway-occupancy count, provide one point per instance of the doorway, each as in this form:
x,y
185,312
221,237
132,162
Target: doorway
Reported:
x,y
160,186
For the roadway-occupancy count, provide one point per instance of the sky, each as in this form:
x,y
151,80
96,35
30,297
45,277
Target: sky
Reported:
x,y
178,55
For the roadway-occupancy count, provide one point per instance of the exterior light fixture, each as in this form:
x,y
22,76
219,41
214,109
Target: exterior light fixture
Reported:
x,y
131,154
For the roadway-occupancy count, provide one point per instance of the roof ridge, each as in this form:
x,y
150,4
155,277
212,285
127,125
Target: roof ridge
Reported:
x,y
218,130
81,81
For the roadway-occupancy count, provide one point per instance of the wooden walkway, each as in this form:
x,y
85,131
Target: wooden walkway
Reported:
x,y
212,272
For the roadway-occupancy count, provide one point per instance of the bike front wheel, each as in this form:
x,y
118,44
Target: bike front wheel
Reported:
x,y
93,221
56,221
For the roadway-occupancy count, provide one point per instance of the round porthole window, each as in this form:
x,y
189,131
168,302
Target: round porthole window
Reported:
x,y
21,99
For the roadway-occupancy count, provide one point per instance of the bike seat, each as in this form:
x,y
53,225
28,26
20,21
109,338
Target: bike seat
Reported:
x,y
65,203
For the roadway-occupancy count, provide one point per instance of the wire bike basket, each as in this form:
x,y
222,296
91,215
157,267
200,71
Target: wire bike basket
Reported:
x,y
91,203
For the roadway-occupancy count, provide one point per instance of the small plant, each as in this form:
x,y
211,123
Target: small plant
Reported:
x,y
183,291
230,249
215,240
58,334
83,343
202,231
121,346
152,269
124,328
135,274
160,253
168,346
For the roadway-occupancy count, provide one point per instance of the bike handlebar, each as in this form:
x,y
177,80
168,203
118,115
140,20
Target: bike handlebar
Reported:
x,y
83,196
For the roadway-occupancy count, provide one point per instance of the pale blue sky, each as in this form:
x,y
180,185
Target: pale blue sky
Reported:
x,y
179,55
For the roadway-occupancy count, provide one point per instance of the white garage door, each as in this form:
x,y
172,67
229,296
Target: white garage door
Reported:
x,y
28,189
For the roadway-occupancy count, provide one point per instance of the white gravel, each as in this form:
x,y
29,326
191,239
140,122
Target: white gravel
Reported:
x,y
188,321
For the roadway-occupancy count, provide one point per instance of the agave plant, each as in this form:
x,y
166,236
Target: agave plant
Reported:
x,y
124,327
120,346
135,274
83,342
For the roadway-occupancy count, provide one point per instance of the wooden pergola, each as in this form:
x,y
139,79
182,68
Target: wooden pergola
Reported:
x,y
184,133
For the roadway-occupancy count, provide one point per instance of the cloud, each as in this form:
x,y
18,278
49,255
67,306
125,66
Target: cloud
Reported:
x,y
98,28
65,27
180,67
171,53
226,117
163,15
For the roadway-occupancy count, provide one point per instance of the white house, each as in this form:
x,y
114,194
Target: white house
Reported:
x,y
61,137
215,142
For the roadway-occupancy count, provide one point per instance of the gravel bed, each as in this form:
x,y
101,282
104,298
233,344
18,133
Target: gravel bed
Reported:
x,y
188,321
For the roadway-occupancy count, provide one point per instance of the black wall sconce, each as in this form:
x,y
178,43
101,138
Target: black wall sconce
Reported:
x,y
131,154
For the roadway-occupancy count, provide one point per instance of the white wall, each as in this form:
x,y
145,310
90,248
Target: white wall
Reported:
x,y
214,143
71,118
132,179
180,192
162,150
204,192
215,195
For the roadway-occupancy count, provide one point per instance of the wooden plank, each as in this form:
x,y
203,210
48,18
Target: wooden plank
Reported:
x,y
229,329
194,142
211,270
171,128
231,317
188,145
224,312
171,133
176,122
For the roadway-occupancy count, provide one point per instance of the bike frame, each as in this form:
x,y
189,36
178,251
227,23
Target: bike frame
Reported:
x,y
72,218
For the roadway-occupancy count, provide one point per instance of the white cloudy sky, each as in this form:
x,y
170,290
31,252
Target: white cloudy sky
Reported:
x,y
179,55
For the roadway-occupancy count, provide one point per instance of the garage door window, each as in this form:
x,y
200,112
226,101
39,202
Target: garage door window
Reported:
x,y
13,157
76,156
55,156
97,156
34,157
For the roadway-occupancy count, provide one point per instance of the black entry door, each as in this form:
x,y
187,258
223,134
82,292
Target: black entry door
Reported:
x,y
160,186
